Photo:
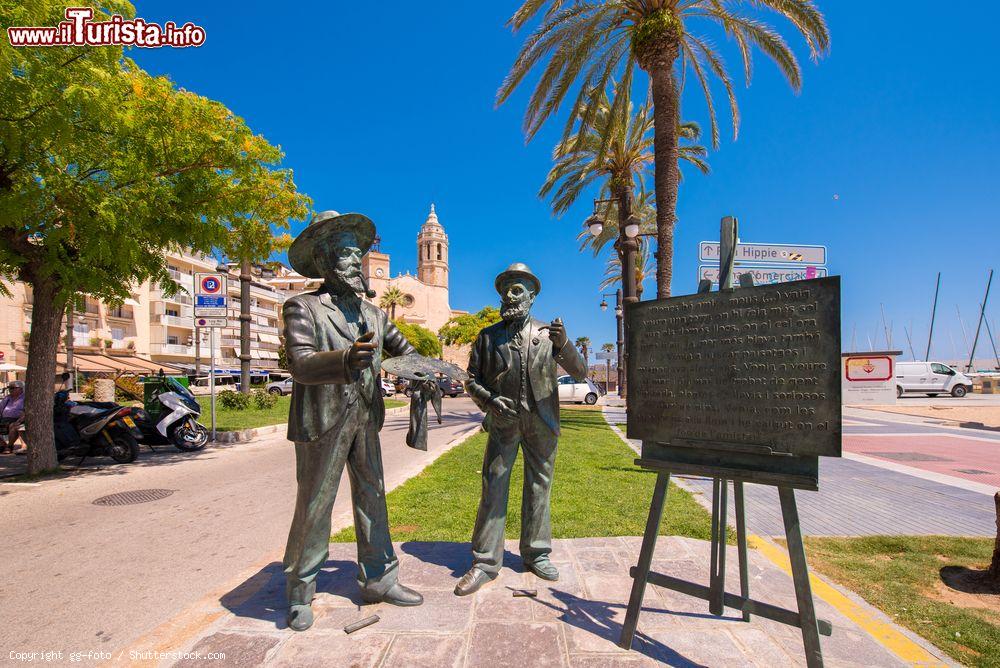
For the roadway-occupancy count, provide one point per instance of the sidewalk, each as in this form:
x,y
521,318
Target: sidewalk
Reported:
x,y
573,622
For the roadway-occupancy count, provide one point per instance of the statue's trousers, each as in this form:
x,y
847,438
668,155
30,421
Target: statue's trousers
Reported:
x,y
318,469
538,444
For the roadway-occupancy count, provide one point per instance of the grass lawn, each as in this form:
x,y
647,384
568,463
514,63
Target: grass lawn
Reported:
x,y
902,576
227,419
232,420
596,491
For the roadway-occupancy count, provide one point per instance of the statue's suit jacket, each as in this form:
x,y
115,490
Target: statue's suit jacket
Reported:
x,y
491,359
317,340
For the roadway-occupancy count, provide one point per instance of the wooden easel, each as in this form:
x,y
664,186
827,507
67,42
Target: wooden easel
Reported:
x,y
716,595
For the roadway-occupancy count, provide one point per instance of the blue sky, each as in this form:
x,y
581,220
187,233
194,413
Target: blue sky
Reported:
x,y
385,107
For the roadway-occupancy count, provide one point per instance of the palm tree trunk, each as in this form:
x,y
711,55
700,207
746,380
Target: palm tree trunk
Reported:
x,y
46,321
666,118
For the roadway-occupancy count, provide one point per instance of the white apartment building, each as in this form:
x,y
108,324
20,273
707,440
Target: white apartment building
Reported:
x,y
152,325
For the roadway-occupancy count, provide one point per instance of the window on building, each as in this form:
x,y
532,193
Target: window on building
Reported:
x,y
172,311
172,340
439,252
81,334
117,333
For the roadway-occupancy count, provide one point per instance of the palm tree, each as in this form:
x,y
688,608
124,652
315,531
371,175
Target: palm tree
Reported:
x,y
644,268
590,42
583,343
390,299
617,150
644,208
607,347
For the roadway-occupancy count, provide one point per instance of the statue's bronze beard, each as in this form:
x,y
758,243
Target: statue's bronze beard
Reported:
x,y
515,311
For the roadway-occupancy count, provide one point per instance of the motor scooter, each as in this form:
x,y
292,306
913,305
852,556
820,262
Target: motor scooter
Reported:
x,y
94,429
171,416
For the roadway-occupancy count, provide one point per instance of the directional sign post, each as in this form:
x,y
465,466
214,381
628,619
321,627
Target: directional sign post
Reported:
x,y
769,254
211,303
766,274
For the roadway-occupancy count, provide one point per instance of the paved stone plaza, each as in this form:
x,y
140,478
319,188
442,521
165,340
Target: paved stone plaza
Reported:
x,y
573,622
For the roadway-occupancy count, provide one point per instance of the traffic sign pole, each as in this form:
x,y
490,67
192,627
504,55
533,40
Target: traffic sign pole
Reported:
x,y
211,375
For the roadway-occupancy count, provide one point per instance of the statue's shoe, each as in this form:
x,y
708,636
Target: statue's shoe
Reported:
x,y
300,617
543,568
472,581
397,594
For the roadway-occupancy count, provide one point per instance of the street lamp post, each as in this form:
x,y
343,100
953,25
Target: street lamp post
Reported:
x,y
626,245
620,317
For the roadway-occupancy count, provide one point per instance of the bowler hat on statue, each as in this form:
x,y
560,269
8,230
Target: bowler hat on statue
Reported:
x,y
323,225
517,270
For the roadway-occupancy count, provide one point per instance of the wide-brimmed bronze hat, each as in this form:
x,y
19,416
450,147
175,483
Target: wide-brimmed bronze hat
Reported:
x,y
322,225
517,270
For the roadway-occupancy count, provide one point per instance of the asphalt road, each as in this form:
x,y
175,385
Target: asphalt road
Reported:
x,y
79,576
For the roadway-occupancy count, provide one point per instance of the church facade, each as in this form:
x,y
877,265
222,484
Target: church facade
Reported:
x,y
425,296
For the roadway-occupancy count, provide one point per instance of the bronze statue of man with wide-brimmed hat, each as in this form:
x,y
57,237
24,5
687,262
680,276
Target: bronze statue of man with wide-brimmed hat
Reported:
x,y
335,343
513,369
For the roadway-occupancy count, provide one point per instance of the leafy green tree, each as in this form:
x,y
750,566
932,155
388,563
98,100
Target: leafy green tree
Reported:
x,y
588,43
282,357
254,236
390,299
421,338
103,169
465,328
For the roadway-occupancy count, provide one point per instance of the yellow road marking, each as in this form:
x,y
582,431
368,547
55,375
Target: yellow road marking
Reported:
x,y
886,634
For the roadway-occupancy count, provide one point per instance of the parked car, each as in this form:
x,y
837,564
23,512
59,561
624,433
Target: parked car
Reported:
x,y
581,393
450,388
388,388
280,387
930,378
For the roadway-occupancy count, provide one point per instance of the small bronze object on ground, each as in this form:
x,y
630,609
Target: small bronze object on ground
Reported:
x,y
360,624
525,592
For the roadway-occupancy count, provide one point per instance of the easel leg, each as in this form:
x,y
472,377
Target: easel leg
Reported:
x,y
741,544
645,559
800,576
717,578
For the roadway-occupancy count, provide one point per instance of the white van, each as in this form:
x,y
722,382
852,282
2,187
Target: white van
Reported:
x,y
930,378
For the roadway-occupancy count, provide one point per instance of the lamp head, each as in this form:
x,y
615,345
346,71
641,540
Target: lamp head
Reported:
x,y
632,227
594,225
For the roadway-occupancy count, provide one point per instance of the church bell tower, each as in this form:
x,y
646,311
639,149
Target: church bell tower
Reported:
x,y
432,252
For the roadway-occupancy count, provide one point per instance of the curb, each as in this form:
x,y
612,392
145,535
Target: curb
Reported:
x,y
244,435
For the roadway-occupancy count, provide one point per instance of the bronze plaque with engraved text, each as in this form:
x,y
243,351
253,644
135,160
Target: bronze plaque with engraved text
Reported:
x,y
752,370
